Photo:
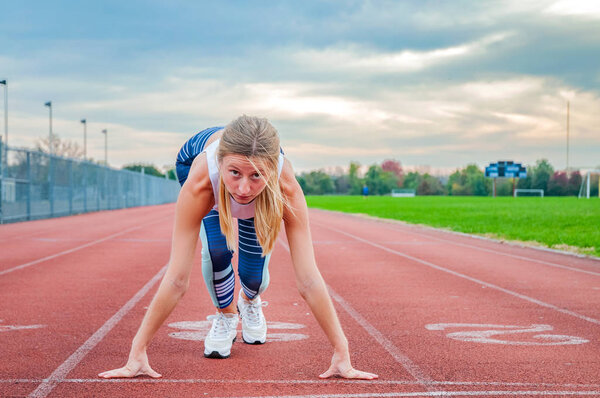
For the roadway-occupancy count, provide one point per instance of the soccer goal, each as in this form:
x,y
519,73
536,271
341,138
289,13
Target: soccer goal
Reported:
x,y
585,188
529,192
403,193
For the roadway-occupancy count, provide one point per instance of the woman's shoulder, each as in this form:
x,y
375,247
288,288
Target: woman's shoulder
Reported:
x,y
198,178
287,181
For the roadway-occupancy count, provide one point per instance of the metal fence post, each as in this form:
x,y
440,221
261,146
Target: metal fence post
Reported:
x,y
29,185
97,190
84,168
2,156
51,185
70,187
143,187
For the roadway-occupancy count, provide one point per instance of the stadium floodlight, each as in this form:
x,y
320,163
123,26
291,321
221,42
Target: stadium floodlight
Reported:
x,y
105,132
5,84
50,143
84,122
568,111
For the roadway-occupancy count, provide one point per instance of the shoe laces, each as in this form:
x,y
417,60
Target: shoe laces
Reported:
x,y
220,326
253,311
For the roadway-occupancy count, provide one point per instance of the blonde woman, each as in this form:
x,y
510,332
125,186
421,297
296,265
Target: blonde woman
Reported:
x,y
238,171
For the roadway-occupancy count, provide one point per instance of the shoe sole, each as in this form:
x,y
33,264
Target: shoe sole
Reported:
x,y
255,342
252,341
217,354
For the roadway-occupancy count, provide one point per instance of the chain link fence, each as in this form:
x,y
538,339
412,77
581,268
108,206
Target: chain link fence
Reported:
x,y
35,185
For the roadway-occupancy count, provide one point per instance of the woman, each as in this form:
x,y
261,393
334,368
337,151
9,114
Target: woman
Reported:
x,y
238,172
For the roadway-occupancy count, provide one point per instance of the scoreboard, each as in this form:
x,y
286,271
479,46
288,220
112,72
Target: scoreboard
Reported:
x,y
505,169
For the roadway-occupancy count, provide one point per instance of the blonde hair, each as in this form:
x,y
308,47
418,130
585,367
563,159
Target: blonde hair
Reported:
x,y
257,140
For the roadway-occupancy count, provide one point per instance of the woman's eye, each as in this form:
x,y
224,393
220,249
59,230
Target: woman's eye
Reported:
x,y
235,172
256,175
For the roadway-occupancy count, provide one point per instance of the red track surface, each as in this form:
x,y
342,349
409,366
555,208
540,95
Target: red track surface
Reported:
x,y
433,313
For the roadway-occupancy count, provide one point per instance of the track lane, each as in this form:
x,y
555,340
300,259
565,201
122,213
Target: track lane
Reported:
x,y
22,251
296,364
426,296
72,296
423,296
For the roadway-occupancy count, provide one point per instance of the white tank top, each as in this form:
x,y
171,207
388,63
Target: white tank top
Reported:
x,y
238,210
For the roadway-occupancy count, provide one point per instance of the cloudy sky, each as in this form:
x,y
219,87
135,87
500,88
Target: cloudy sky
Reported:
x,y
437,83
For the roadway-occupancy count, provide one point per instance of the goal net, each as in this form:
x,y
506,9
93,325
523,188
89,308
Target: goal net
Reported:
x,y
529,192
403,193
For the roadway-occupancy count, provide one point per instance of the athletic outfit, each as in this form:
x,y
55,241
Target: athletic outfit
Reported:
x,y
216,256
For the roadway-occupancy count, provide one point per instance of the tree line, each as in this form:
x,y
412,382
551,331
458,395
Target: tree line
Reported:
x,y
470,180
381,179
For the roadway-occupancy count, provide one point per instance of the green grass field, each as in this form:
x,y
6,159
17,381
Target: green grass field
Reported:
x,y
565,223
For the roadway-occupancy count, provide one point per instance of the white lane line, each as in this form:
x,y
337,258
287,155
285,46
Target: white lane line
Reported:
x,y
433,394
499,252
402,359
29,264
416,226
478,281
328,381
69,364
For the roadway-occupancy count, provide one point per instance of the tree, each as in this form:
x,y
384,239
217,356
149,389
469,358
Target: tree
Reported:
x,y
342,184
468,181
380,182
430,185
412,180
574,183
356,183
558,184
317,183
60,147
395,167
149,169
541,173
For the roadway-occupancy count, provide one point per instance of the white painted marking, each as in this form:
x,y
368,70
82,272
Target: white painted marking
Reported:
x,y
311,381
197,331
402,359
18,267
59,373
434,394
10,328
478,281
551,264
485,336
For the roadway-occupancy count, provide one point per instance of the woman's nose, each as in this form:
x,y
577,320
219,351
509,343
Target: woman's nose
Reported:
x,y
244,187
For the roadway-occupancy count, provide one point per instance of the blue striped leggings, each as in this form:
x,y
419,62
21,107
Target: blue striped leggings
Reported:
x,y
217,270
216,257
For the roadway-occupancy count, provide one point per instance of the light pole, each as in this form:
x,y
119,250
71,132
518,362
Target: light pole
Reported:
x,y
84,122
3,82
568,106
105,147
50,143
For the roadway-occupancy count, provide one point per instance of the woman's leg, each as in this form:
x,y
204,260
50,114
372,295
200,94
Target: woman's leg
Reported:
x,y
254,277
253,268
216,263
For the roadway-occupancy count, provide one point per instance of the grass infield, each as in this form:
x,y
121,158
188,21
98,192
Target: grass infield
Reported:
x,y
564,223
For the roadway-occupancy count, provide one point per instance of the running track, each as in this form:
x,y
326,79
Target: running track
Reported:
x,y
433,313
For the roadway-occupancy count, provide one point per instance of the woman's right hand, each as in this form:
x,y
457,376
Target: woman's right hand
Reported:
x,y
137,365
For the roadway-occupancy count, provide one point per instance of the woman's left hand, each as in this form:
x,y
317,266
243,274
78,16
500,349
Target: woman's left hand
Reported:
x,y
341,367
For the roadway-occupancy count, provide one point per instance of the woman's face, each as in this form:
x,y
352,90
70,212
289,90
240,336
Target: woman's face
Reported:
x,y
241,179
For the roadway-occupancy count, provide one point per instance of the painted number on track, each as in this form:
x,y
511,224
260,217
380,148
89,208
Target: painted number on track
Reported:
x,y
506,334
197,330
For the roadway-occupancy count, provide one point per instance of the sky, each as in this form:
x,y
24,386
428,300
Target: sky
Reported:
x,y
432,84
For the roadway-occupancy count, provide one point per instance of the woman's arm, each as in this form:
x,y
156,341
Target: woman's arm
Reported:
x,y
194,202
309,281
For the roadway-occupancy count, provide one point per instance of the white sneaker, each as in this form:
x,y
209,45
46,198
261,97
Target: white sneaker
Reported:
x,y
254,325
221,336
